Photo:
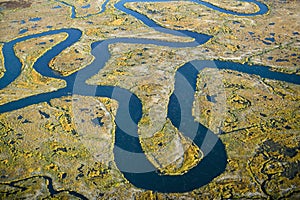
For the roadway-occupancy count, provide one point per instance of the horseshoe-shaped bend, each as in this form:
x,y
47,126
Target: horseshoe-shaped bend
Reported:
x,y
127,149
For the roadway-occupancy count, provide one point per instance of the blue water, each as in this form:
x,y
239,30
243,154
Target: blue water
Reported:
x,y
56,7
271,39
127,147
86,6
24,30
262,7
35,19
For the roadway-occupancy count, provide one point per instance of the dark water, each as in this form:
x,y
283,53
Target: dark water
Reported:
x,y
128,153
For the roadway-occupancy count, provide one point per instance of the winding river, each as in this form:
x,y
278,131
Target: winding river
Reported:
x,y
128,153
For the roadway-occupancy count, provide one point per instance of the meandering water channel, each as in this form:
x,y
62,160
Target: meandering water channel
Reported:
x,y
128,153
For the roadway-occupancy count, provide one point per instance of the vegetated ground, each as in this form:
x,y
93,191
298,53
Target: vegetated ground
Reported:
x,y
46,150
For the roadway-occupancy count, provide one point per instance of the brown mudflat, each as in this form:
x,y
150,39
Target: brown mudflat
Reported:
x,y
15,4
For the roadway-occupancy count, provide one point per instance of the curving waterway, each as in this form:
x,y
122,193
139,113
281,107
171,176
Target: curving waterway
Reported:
x,y
128,153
